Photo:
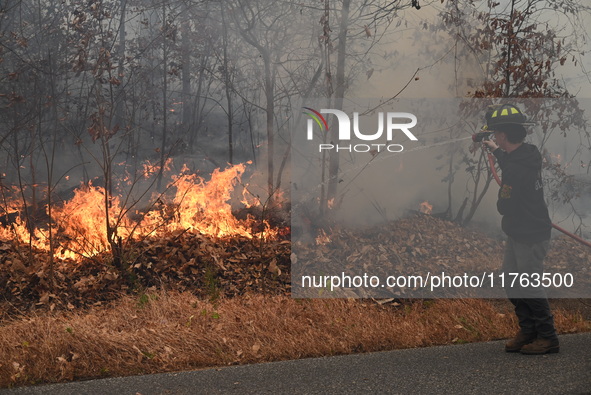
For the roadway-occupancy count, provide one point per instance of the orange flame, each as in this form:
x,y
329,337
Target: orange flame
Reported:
x,y
153,169
330,203
203,206
425,208
322,238
195,206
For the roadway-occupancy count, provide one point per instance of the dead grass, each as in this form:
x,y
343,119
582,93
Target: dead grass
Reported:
x,y
171,331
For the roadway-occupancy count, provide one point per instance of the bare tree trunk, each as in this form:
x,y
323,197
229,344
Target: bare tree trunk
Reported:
x,y
477,197
198,107
50,163
450,181
509,48
477,201
186,77
270,111
228,90
120,102
164,96
248,115
288,148
333,167
329,91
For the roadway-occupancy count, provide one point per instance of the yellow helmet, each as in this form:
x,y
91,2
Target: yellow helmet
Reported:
x,y
504,114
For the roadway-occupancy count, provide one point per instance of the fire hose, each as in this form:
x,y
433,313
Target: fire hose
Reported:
x,y
478,137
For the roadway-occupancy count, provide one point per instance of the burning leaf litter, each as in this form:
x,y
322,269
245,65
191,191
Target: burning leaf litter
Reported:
x,y
79,226
210,267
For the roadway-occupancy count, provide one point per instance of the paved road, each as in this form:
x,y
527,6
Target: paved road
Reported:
x,y
482,368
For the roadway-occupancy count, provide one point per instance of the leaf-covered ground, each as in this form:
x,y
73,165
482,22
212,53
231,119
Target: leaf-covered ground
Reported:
x,y
211,268
425,244
205,266
187,301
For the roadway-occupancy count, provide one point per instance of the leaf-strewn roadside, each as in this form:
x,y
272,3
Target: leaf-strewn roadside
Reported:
x,y
170,331
200,302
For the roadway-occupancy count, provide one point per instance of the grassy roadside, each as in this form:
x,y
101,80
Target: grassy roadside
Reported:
x,y
171,331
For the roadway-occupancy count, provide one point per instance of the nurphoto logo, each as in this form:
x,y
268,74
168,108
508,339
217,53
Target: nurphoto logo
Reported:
x,y
391,119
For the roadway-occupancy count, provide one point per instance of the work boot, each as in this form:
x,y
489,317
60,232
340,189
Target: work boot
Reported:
x,y
516,344
541,346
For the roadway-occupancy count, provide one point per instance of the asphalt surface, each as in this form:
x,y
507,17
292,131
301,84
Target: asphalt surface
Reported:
x,y
481,368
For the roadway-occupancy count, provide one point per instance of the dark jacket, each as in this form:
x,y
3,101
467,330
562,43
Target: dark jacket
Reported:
x,y
521,197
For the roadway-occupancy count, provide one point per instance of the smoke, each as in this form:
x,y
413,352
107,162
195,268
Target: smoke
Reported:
x,y
411,59
376,184
443,167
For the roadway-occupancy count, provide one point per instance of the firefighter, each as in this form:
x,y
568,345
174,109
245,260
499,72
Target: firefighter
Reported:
x,y
526,223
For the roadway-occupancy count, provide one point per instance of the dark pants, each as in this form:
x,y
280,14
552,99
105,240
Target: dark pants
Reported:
x,y
531,304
